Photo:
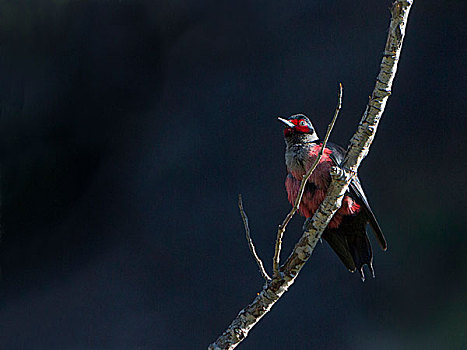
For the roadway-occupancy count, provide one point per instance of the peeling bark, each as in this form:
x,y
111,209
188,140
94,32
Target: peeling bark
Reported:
x,y
341,177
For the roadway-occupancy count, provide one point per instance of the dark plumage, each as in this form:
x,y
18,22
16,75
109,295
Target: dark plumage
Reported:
x,y
346,232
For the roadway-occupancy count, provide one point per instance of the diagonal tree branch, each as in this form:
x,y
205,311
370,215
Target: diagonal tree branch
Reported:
x,y
341,177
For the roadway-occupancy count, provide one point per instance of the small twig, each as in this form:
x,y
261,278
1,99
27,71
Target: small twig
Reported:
x,y
281,228
250,241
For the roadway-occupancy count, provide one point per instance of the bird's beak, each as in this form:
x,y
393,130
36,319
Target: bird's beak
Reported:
x,y
286,122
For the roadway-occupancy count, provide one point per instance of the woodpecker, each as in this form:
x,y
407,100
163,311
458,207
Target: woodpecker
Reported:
x,y
346,232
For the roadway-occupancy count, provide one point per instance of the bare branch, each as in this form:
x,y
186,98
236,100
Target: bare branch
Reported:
x,y
250,241
282,227
341,177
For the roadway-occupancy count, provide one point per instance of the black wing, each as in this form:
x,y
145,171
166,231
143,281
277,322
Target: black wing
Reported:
x,y
357,193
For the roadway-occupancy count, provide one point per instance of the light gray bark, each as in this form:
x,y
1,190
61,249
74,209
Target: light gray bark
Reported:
x,y
341,177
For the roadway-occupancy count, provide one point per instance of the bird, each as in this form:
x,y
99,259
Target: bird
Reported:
x,y
346,232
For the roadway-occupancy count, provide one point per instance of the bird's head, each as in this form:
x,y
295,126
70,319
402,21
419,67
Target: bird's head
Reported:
x,y
299,125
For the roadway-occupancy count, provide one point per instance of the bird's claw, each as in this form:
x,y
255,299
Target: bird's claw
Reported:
x,y
307,224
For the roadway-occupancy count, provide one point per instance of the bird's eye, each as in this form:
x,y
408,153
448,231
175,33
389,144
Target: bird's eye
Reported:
x,y
302,123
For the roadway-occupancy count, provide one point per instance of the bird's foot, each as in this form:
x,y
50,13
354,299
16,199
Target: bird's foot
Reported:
x,y
307,224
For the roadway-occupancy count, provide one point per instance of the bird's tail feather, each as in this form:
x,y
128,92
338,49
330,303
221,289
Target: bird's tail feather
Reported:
x,y
350,242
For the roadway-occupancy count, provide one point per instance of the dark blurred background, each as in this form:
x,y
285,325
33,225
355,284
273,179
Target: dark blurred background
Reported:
x,y
128,128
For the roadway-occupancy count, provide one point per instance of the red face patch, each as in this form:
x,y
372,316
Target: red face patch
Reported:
x,y
300,126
